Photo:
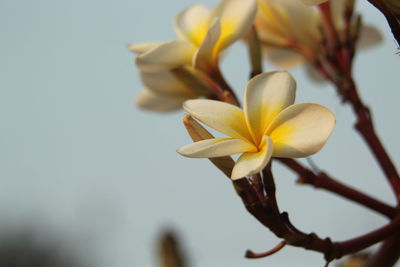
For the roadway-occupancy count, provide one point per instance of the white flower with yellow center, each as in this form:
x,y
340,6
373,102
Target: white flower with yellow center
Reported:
x,y
269,125
203,35
285,27
163,90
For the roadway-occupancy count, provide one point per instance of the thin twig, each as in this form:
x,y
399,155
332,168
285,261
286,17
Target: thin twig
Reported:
x,y
252,255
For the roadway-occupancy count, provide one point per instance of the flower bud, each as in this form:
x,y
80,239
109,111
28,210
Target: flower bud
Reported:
x,y
198,133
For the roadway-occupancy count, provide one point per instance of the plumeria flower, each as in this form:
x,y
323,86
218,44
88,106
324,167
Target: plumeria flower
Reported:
x,y
164,91
170,70
203,35
269,125
290,31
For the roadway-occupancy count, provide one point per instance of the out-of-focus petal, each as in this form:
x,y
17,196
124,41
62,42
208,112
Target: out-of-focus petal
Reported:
x,y
152,101
271,24
301,130
165,83
283,58
143,47
251,163
337,8
265,96
206,56
192,24
236,17
280,22
223,117
304,22
216,147
369,37
166,56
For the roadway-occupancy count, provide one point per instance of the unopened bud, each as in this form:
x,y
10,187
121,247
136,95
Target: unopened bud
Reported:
x,y
198,133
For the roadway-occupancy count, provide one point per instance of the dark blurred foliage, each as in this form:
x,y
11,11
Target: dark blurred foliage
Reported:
x,y
170,251
24,247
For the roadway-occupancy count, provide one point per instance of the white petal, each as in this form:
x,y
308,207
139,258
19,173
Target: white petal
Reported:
x,y
281,57
271,24
304,22
206,57
236,17
166,56
338,8
313,2
143,47
223,117
301,130
251,163
165,83
192,24
216,147
152,101
265,96
369,37
280,21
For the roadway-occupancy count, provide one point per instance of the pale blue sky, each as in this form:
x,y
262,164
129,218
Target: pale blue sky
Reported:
x,y
77,156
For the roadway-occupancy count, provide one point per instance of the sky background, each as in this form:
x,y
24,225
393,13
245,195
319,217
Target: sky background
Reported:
x,y
81,164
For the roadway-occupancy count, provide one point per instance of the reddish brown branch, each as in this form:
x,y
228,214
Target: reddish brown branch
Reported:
x,y
366,129
266,211
218,78
337,69
388,253
329,27
324,181
342,79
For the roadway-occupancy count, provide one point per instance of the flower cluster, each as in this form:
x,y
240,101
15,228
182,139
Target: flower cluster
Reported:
x,y
291,33
325,35
178,72
172,71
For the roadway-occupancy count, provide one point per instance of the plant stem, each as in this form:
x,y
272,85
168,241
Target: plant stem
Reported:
x,y
366,129
388,253
255,53
324,181
329,27
217,76
266,211
342,78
